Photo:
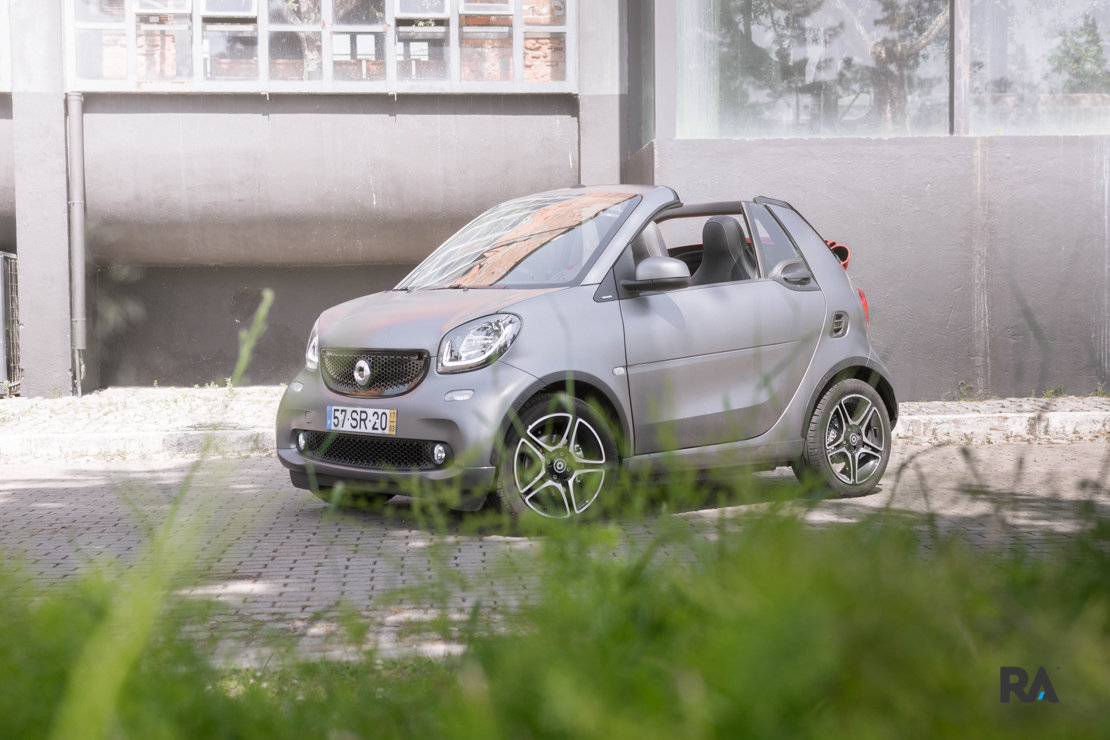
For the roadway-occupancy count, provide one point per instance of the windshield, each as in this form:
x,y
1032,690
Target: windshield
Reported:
x,y
539,242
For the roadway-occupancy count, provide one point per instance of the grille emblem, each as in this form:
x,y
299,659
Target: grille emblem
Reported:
x,y
362,372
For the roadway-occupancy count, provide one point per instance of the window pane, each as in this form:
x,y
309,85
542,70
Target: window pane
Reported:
x,y
296,12
1039,67
102,55
545,57
230,52
165,47
815,68
487,6
487,48
358,56
421,7
774,244
99,10
422,51
545,12
359,12
544,240
163,6
230,7
295,55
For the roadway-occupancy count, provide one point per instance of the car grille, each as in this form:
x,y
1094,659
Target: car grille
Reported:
x,y
392,372
360,451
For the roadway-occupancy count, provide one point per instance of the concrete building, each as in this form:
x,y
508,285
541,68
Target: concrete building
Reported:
x,y
961,148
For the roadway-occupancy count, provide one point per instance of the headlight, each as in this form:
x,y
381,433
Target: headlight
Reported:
x,y
312,351
477,344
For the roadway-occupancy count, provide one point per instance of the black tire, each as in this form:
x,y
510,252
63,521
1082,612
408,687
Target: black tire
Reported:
x,y
559,457
848,439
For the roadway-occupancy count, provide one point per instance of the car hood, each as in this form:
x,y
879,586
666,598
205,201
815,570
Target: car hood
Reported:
x,y
417,320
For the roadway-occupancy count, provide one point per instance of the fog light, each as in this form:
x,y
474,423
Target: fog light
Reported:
x,y
296,387
302,441
439,454
459,396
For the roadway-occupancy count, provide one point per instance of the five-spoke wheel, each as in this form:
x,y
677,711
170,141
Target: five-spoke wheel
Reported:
x,y
848,440
557,460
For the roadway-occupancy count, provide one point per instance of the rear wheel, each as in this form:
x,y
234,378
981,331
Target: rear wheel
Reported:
x,y
848,439
557,460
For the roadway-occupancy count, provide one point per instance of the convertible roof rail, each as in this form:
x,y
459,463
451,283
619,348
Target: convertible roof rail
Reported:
x,y
764,200
692,210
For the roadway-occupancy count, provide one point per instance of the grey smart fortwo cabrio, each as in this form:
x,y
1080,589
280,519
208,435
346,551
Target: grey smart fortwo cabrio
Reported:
x,y
559,336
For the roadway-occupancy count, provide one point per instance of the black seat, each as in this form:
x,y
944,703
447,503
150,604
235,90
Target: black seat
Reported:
x,y
649,243
726,255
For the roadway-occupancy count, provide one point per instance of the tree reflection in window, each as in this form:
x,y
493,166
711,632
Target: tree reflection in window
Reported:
x,y
813,67
1039,67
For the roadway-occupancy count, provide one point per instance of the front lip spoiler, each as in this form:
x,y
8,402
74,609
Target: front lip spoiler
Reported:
x,y
397,482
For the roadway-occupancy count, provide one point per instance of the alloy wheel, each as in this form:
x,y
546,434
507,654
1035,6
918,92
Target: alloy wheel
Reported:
x,y
559,465
854,439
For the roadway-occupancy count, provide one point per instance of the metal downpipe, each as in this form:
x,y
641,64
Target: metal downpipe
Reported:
x,y
76,135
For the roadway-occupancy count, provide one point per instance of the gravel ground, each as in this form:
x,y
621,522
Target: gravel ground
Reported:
x,y
143,410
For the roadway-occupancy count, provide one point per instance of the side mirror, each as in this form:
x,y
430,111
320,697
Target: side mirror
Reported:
x,y
659,273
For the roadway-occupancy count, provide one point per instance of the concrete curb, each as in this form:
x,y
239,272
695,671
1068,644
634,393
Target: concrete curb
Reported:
x,y
1050,426
1046,426
135,445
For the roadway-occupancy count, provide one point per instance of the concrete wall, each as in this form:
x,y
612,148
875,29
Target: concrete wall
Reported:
x,y
180,325
7,177
985,260
39,165
289,180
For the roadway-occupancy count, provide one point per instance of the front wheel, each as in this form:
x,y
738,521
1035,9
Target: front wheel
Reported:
x,y
848,439
559,456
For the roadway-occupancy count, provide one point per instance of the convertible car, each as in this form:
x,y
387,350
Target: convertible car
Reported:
x,y
560,336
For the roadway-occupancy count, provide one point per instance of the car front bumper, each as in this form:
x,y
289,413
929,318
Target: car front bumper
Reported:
x,y
470,429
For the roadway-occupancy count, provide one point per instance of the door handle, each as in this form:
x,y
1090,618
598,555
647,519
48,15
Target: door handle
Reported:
x,y
793,272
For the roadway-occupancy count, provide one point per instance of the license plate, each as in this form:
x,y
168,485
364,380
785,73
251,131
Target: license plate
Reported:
x,y
361,421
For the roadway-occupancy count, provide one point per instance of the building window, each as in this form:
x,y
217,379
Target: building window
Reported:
x,y
850,68
421,50
164,46
421,8
296,47
230,51
487,47
448,46
1040,67
229,8
360,13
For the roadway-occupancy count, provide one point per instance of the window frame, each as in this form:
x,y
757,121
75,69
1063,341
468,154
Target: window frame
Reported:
x,y
327,84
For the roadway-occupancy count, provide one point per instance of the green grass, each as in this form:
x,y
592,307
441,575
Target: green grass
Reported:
x,y
772,629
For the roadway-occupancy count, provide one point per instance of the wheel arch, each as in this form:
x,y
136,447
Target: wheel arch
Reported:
x,y
860,369
582,386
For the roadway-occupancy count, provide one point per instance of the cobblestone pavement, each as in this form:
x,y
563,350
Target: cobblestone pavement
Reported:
x,y
278,558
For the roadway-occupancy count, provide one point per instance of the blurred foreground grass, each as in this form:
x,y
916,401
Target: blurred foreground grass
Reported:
x,y
770,628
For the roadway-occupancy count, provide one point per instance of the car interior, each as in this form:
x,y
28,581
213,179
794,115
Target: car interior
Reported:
x,y
725,254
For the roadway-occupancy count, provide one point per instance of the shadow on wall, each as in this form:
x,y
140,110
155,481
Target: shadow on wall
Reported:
x,y
179,326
